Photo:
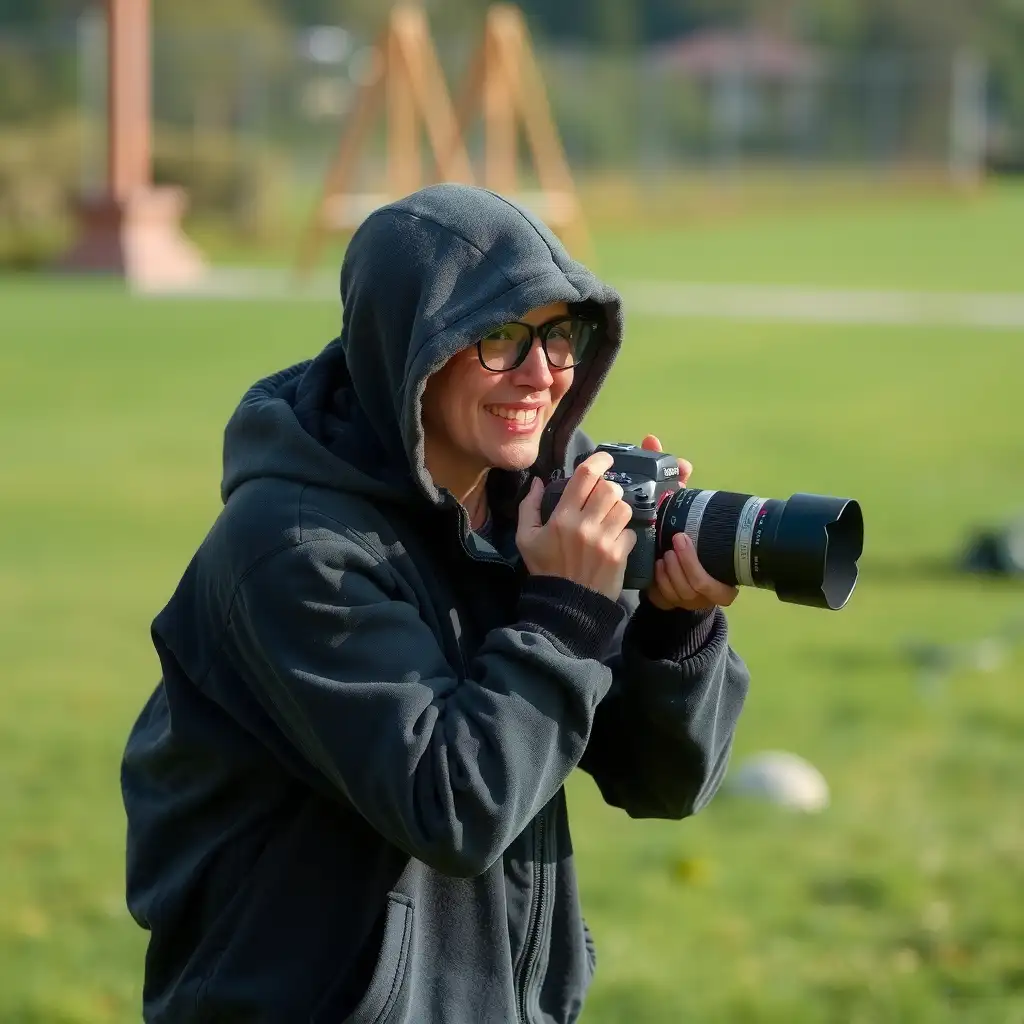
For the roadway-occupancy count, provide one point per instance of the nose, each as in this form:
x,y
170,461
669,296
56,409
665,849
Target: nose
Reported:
x,y
534,371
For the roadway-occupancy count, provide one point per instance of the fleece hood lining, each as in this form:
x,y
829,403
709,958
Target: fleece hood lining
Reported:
x,y
422,279
574,397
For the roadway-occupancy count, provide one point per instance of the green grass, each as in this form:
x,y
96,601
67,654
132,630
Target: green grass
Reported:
x,y
931,242
900,903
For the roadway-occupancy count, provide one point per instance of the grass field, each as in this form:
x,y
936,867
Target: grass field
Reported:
x,y
902,902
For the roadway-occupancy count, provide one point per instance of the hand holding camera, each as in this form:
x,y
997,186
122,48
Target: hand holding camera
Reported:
x,y
587,539
680,581
804,548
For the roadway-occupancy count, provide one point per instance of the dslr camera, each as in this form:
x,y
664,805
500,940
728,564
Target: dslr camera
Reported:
x,y
805,548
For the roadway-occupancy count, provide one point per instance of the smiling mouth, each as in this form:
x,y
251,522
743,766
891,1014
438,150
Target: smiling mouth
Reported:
x,y
521,417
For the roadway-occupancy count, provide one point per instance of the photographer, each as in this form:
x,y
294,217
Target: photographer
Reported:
x,y
345,795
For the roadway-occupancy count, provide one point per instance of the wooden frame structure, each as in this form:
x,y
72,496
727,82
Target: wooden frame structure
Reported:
x,y
408,84
505,79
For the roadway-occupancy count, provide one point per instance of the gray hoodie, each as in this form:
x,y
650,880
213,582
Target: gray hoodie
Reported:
x,y
345,795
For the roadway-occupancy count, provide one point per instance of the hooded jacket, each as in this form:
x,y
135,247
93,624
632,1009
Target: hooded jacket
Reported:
x,y
345,795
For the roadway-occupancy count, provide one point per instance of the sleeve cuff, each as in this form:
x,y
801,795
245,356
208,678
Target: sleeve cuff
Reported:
x,y
669,635
579,619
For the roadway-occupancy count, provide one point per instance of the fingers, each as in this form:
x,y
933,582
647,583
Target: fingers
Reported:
x,y
618,517
586,539
653,444
626,541
585,478
603,499
602,520
529,507
687,575
674,585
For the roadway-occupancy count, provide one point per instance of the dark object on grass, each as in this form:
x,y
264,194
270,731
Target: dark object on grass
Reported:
x,y
997,551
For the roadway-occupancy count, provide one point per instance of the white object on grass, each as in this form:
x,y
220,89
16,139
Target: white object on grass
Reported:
x,y
781,778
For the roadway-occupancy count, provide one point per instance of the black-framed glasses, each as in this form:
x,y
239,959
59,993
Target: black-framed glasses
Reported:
x,y
565,341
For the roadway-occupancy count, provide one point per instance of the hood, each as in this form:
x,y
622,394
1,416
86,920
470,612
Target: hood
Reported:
x,y
422,279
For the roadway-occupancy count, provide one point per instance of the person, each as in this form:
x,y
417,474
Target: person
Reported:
x,y
345,795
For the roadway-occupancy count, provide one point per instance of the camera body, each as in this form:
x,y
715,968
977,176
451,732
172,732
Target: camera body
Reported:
x,y
646,479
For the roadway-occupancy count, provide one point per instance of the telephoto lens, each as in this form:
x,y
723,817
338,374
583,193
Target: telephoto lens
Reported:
x,y
804,548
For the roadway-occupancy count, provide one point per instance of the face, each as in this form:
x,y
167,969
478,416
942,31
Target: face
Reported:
x,y
475,420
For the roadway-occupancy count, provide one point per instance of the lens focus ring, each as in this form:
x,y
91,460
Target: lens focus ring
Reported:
x,y
743,547
695,513
722,527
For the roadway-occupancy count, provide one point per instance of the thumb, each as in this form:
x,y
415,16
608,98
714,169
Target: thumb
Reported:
x,y
651,443
529,507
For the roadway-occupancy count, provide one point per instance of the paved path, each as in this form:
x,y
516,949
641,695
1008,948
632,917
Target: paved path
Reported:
x,y
826,305
1000,311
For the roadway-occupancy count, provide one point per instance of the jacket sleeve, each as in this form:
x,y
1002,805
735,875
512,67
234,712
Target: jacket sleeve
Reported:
x,y
351,677
661,738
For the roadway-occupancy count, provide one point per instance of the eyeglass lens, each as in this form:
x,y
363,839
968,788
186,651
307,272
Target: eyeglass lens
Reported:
x,y
507,346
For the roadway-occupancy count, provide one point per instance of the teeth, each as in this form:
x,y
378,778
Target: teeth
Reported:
x,y
519,415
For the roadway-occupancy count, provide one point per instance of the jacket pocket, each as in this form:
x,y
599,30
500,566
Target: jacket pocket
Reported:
x,y
386,1000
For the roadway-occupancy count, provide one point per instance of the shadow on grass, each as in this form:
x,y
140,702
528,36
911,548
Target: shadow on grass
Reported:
x,y
867,892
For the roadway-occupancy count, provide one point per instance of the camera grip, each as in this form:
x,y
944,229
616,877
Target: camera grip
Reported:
x,y
552,495
640,564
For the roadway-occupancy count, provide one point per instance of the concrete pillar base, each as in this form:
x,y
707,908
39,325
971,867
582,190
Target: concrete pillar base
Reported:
x,y
138,238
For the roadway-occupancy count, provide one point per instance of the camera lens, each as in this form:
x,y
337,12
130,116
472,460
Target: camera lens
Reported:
x,y
805,548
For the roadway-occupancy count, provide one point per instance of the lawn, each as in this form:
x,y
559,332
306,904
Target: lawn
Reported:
x,y
901,902
972,242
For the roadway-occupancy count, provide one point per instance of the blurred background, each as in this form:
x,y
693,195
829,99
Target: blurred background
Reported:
x,y
248,97
815,213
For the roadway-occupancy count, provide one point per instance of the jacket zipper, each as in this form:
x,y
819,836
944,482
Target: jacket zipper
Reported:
x,y
532,940
538,897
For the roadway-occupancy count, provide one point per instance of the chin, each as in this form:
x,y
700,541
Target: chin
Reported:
x,y
512,456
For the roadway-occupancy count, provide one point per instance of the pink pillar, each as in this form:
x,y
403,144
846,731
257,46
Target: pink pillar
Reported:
x,y
128,96
133,229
